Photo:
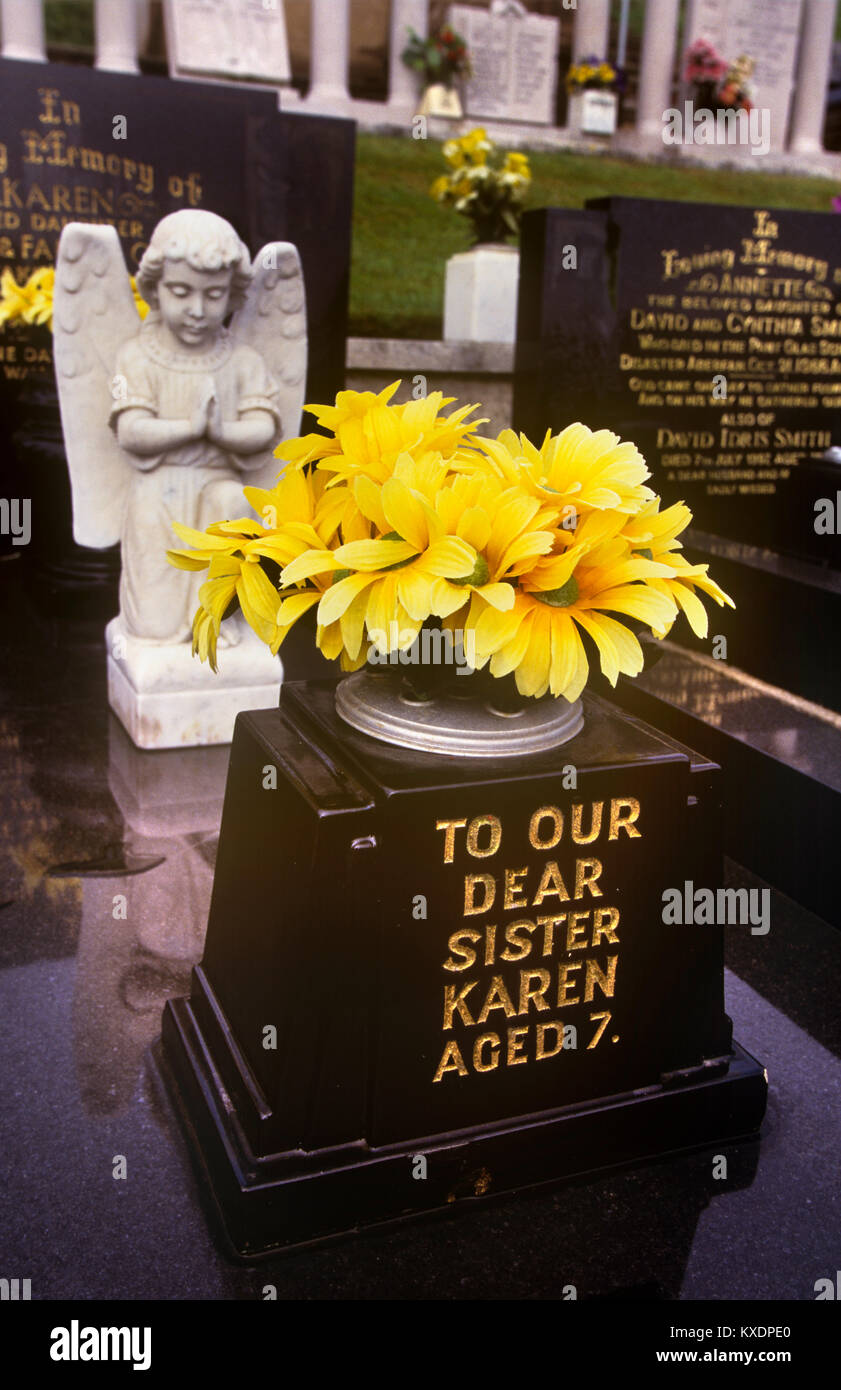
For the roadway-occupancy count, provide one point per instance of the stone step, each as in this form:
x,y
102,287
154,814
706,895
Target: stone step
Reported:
x,y
781,759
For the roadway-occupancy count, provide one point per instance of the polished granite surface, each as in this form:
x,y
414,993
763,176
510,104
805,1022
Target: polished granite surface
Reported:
x,y
106,866
771,561
798,732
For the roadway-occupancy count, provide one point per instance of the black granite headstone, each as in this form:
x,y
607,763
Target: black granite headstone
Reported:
x,y
82,145
458,958
709,335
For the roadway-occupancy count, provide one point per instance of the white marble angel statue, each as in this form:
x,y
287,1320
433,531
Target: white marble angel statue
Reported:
x,y
163,421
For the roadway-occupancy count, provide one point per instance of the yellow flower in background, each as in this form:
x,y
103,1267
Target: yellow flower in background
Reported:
x,y
516,163
453,153
31,302
40,286
483,185
139,302
472,148
590,72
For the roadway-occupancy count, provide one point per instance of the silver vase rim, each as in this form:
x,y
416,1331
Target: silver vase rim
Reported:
x,y
452,725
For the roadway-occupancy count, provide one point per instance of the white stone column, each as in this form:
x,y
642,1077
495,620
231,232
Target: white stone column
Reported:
x,y
592,29
115,26
329,48
812,76
23,30
659,40
402,82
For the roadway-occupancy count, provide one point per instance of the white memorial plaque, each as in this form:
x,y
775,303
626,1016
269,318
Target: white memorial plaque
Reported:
x,y
228,38
768,33
515,64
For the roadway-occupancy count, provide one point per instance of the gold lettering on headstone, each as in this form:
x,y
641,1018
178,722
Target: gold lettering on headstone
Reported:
x,y
595,823
474,831
595,976
551,885
497,998
620,821
455,1003
450,827
479,1062
531,993
513,889
766,318
487,884
546,980
546,813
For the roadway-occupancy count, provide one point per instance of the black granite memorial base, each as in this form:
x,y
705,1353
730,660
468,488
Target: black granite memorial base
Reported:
x,y
781,763
785,610
356,1008
266,1204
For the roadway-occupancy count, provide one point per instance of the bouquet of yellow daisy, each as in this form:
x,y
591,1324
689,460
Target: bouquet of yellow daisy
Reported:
x,y
402,514
484,185
592,74
31,302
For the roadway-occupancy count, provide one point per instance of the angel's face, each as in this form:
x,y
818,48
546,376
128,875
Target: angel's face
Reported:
x,y
193,303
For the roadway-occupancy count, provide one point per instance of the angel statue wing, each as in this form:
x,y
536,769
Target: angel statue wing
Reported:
x,y
273,321
93,315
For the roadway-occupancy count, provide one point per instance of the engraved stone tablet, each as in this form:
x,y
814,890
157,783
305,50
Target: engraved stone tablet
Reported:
x,y
228,38
767,33
515,62
711,337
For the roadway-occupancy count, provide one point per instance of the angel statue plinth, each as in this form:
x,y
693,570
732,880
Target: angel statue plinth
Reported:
x,y
164,421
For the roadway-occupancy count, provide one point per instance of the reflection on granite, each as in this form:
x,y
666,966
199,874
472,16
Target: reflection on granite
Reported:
x,y
774,964
804,736
81,991
784,566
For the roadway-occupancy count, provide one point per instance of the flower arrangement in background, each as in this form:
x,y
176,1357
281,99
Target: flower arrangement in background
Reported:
x,y
484,185
32,302
593,74
718,84
736,91
703,63
403,514
440,58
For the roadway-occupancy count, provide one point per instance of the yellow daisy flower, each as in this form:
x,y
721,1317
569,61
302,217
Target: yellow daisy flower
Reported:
x,y
371,440
539,638
577,469
394,572
655,533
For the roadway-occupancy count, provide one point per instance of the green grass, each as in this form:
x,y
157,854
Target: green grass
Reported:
x,y
401,238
